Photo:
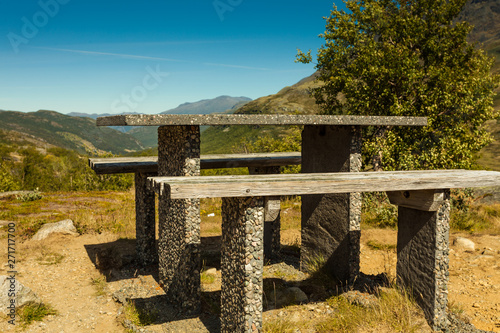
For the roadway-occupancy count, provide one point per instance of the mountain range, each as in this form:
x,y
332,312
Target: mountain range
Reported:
x,y
75,133
205,106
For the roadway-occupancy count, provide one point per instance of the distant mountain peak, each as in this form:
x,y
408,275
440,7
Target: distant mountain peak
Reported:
x,y
218,104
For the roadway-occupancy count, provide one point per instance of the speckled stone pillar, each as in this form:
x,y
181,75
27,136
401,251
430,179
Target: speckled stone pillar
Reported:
x,y
331,222
422,266
179,220
145,226
242,264
272,223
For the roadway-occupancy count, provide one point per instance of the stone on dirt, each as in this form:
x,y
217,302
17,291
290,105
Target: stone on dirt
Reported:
x,y
23,295
464,243
65,227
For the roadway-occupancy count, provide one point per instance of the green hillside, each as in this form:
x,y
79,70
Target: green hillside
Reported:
x,y
484,16
30,163
79,134
294,99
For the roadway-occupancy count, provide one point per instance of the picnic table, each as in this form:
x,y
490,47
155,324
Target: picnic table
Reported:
x,y
330,219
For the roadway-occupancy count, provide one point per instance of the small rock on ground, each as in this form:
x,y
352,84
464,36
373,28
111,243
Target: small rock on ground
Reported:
x,y
464,243
63,227
24,295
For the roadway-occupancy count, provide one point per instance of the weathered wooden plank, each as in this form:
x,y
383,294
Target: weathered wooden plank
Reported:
x,y
268,119
318,183
150,163
124,165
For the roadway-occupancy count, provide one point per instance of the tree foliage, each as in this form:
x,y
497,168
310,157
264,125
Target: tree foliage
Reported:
x,y
408,58
289,142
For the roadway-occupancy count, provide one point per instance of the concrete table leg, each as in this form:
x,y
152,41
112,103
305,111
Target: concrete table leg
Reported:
x,y
179,220
422,265
331,222
145,222
242,264
272,222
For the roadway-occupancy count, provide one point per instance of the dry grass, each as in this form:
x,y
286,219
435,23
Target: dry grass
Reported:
x,y
99,283
211,220
92,212
48,257
478,218
376,245
280,325
395,312
290,213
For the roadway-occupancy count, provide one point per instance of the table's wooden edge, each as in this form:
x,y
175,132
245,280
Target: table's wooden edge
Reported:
x,y
268,119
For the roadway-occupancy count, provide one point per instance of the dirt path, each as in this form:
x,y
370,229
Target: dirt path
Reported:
x,y
67,285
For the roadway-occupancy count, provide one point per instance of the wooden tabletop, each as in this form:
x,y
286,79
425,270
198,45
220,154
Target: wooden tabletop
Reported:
x,y
268,119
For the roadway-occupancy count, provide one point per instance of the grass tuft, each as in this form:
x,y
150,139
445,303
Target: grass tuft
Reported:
x,y
30,196
378,212
35,312
138,316
49,258
99,284
207,278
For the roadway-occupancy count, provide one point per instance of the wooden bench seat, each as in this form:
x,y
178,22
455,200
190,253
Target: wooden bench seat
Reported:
x,y
423,200
320,183
149,164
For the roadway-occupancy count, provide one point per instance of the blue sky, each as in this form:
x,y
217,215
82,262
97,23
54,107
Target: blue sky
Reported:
x,y
114,56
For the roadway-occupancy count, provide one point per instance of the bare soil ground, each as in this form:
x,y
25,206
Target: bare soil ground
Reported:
x,y
83,305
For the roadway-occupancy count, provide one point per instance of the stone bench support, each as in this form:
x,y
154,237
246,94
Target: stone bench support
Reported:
x,y
179,219
331,222
422,250
242,263
272,222
145,220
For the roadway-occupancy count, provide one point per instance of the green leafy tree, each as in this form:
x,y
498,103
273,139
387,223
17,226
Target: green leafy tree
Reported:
x,y
408,58
7,180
